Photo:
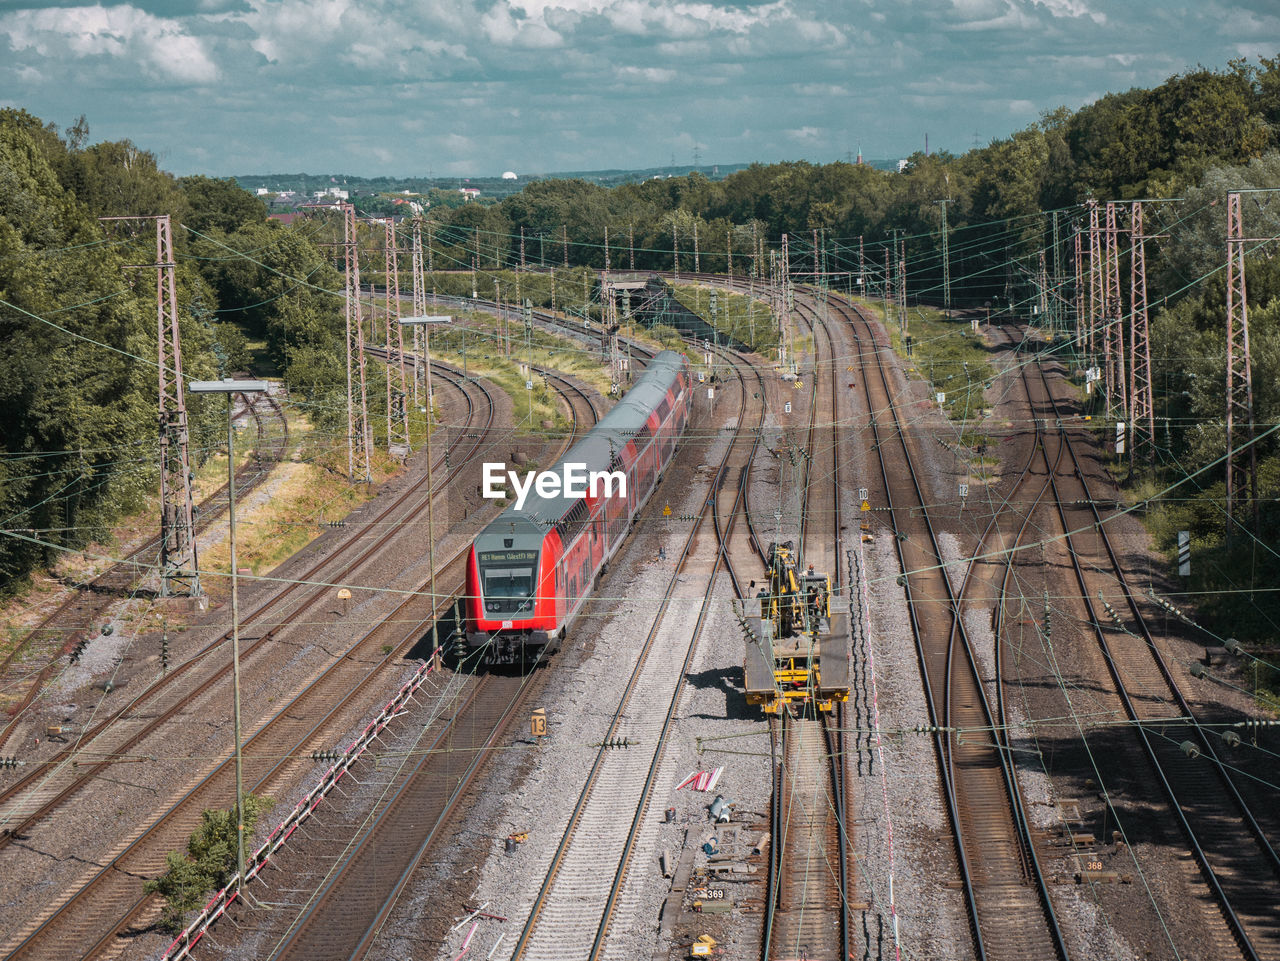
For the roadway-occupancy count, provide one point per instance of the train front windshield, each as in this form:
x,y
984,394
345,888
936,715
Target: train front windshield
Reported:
x,y
507,580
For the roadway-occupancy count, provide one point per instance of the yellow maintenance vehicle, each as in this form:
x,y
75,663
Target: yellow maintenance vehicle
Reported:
x,y
797,638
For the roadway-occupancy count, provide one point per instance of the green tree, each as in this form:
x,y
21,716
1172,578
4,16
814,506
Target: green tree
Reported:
x,y
219,205
77,344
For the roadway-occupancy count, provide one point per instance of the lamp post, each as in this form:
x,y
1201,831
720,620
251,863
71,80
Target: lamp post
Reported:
x,y
229,387
426,322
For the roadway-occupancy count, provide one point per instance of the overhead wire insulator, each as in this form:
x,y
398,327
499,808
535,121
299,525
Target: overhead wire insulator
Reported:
x,y
616,742
328,755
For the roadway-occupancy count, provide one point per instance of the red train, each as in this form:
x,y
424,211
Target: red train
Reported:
x,y
530,570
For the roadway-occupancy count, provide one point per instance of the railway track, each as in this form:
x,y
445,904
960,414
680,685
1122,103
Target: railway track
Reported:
x,y
75,923
1234,855
359,879
37,794
73,620
573,912
808,914
1011,914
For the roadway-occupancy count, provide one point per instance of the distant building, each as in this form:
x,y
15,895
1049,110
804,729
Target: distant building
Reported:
x,y
903,165
510,175
469,192
285,198
261,192
335,192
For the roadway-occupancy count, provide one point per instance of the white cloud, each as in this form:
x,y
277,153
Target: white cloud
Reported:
x,y
1072,8
125,33
572,84
647,74
650,17
992,15
507,31
820,90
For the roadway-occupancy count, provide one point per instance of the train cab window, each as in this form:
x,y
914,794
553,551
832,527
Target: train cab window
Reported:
x,y
507,580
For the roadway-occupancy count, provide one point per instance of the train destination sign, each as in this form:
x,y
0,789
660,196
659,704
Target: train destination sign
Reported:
x,y
574,480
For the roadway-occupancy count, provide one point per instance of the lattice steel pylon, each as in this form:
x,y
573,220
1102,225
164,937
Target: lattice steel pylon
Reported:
x,y
420,305
1079,292
397,383
900,288
1242,466
1141,402
787,300
1097,289
179,567
179,561
1056,282
946,255
359,441
1117,389
1042,283
889,296
610,333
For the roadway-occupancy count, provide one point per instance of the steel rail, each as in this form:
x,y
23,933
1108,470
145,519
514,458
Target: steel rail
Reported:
x,y
938,720
722,539
576,398
1232,918
89,600
167,684
111,869
585,795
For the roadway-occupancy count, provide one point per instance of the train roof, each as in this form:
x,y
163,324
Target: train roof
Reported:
x,y
598,448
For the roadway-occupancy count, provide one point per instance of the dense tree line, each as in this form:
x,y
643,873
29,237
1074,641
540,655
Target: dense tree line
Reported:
x,y
78,402
1153,143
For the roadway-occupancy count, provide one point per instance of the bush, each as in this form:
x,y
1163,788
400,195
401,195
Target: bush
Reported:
x,y
208,864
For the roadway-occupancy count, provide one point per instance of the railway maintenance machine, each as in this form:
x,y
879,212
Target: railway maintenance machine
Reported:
x,y
797,638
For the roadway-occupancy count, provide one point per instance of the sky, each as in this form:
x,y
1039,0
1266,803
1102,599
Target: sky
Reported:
x,y
478,87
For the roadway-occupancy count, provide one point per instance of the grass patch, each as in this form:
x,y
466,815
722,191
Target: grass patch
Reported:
x,y
260,358
288,512
747,320
947,354
498,353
